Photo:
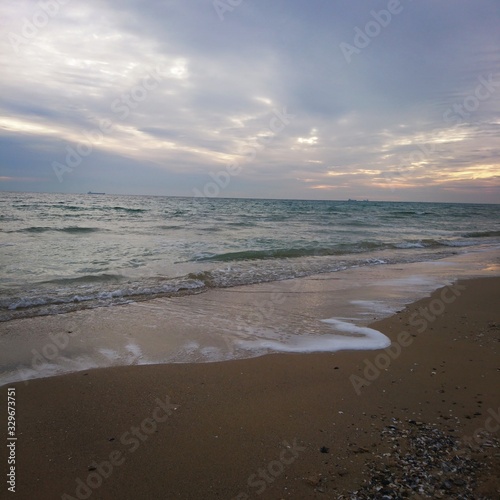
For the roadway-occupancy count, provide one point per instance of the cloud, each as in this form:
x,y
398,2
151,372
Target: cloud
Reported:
x,y
184,94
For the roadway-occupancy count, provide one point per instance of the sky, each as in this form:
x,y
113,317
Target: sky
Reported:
x,y
381,100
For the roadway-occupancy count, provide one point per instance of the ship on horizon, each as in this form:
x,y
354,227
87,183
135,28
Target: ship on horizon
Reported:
x,y
90,192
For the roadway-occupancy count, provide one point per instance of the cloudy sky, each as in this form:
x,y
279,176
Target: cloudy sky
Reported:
x,y
387,100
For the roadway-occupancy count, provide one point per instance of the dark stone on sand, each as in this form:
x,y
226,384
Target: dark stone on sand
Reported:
x,y
447,485
324,449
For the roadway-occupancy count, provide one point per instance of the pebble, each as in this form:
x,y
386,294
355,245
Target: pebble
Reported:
x,y
425,463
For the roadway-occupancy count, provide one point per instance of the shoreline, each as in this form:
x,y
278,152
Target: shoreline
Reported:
x,y
309,314
280,425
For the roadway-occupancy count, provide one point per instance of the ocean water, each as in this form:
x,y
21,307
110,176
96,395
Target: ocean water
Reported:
x,y
64,252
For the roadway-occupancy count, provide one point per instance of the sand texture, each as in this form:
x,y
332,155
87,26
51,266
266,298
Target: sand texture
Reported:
x,y
421,417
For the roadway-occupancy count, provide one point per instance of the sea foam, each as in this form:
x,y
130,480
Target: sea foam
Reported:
x,y
360,338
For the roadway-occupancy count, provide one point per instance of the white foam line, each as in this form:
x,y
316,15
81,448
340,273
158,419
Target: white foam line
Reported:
x,y
364,339
48,370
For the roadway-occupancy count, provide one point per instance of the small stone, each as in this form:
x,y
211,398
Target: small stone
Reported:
x,y
361,450
314,480
447,485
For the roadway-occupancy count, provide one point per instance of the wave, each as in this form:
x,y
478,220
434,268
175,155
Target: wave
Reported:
x,y
431,243
287,253
69,229
89,278
71,299
101,290
404,212
423,243
78,208
410,244
457,243
72,207
94,208
78,230
170,227
241,224
34,229
130,210
482,234
70,294
352,223
178,213
337,250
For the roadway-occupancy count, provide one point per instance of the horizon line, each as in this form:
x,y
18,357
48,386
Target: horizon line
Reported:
x,y
352,200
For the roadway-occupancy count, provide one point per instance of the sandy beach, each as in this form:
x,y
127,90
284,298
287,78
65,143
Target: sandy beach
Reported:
x,y
284,425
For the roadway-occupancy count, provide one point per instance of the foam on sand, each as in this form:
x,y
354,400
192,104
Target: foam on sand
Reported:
x,y
360,338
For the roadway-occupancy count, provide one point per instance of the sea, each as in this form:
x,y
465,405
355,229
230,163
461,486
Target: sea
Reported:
x,y
66,252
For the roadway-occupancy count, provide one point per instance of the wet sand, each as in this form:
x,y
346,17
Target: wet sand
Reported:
x,y
278,426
